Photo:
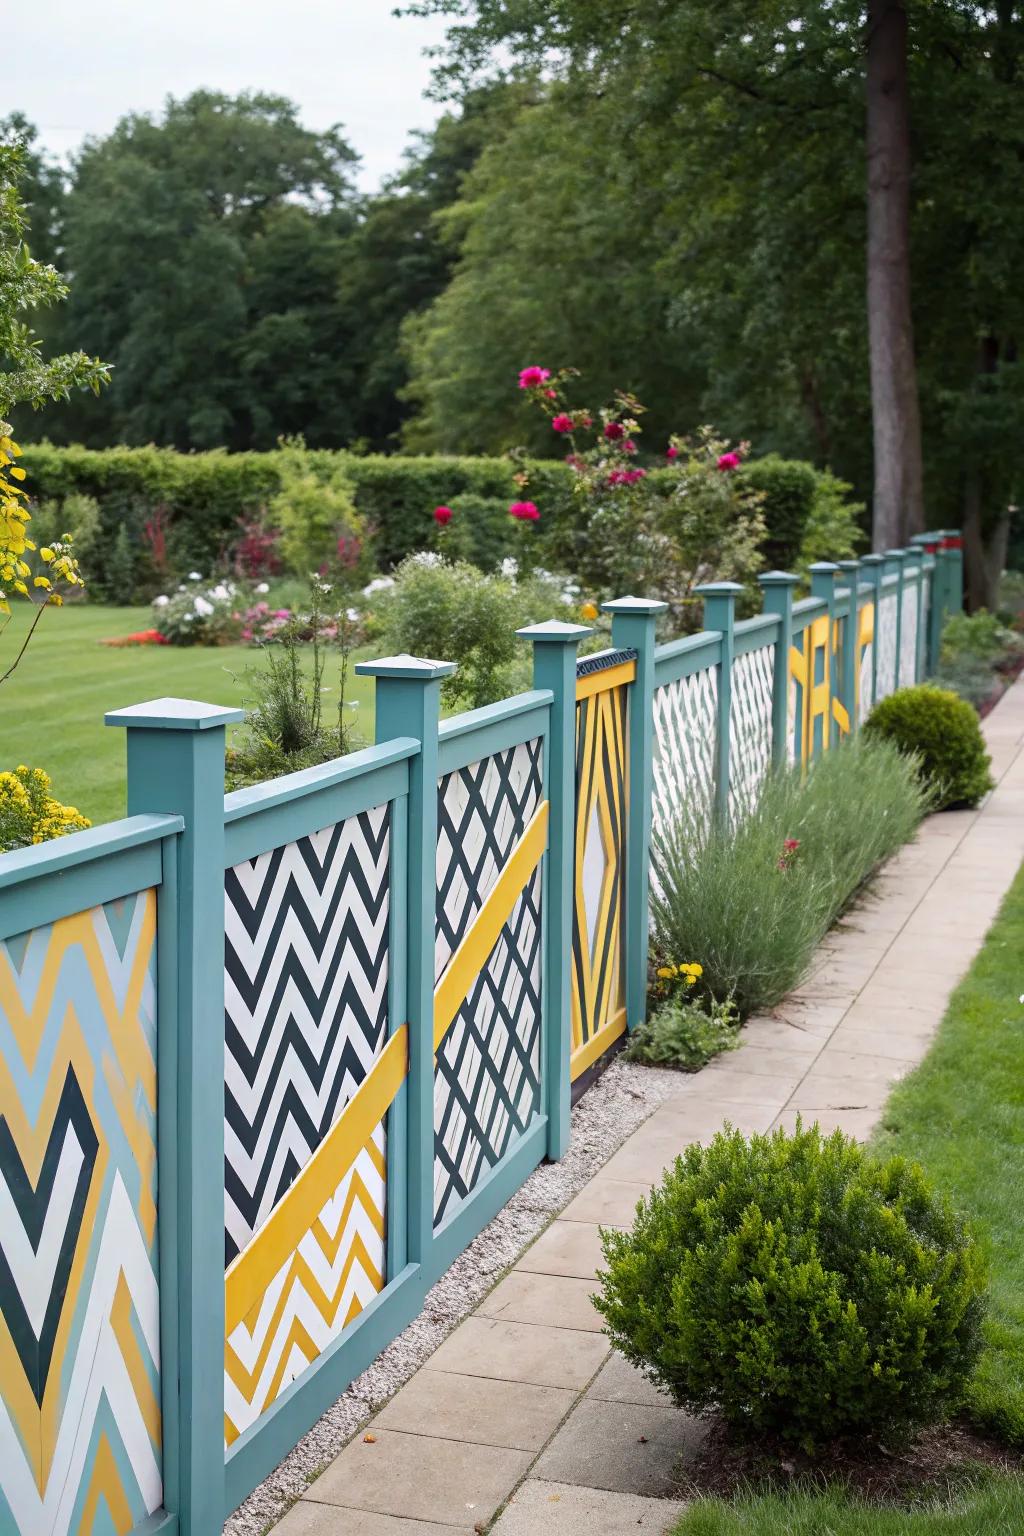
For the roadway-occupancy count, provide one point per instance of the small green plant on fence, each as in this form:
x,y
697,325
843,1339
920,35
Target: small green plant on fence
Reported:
x,y
285,728
943,735
801,1287
755,898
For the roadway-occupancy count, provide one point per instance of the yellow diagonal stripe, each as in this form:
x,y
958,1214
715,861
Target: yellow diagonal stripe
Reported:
x,y
251,1271
469,959
601,682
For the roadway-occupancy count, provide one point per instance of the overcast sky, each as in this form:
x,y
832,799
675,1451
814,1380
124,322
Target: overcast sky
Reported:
x,y
75,66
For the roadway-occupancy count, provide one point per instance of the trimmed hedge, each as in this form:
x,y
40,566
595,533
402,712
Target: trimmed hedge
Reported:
x,y
202,498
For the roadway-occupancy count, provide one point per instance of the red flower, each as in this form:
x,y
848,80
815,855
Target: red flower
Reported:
x,y
524,511
529,378
629,446
671,452
791,844
562,423
442,515
552,394
614,430
729,461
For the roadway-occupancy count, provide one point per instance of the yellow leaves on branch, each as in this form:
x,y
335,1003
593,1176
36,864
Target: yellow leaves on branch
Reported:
x,y
15,572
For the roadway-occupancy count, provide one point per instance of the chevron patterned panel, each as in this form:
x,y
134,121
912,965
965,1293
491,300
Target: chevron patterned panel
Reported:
x,y
908,639
320,1287
306,983
685,728
750,728
885,681
80,1435
487,1081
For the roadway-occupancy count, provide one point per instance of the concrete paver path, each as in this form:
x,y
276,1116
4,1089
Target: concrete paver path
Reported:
x,y
525,1408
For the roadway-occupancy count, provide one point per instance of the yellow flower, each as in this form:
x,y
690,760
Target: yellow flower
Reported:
x,y
665,971
589,611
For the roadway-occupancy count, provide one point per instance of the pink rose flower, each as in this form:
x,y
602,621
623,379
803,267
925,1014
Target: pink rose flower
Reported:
x,y
524,512
671,452
442,515
629,446
529,378
729,461
562,422
614,430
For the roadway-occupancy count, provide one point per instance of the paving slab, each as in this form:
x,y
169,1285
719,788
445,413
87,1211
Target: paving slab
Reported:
x,y
566,1248
620,1382
612,1202
420,1477
547,1357
307,1519
556,1509
623,1447
514,1414
558,1301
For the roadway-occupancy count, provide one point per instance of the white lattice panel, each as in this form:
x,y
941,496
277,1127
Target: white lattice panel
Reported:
x,y
750,728
908,639
685,728
867,661
885,681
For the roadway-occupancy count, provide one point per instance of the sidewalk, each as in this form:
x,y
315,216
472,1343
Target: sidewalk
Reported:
x,y
524,1404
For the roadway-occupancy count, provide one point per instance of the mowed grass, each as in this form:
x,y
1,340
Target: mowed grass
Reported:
x,y
51,710
961,1115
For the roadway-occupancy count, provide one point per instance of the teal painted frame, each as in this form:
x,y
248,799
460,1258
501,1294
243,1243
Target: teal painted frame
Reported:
x,y
777,588
720,614
633,628
754,634
42,884
677,659
466,738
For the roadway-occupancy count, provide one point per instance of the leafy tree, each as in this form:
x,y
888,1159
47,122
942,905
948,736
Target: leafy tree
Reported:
x,y
206,248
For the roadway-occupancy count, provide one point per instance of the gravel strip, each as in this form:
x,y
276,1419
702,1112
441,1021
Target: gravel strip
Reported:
x,y
618,1102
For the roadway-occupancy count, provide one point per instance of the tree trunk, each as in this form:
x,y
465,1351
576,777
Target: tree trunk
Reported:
x,y
985,542
899,495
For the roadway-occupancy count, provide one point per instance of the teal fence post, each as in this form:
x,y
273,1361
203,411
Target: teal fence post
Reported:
x,y
176,767
849,682
954,546
894,559
720,613
873,567
823,575
554,667
928,543
912,579
633,621
778,588
408,703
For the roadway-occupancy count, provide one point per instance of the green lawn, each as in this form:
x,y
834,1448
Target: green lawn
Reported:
x,y
960,1114
51,710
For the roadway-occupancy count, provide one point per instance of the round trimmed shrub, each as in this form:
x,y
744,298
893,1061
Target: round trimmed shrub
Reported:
x,y
943,732
800,1286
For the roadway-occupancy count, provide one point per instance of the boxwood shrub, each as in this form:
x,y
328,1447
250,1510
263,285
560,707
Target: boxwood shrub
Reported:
x,y
799,1285
943,733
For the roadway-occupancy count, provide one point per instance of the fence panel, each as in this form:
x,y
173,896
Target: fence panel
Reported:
x,y
685,730
487,1085
909,620
598,947
750,736
888,619
81,1438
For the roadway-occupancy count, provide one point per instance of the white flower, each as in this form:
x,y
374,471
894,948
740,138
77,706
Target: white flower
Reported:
x,y
262,587
221,593
379,584
428,557
161,601
567,598
194,576
352,614
509,568
203,608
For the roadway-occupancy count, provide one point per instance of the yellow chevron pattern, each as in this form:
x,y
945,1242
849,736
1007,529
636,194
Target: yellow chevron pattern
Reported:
x,y
80,1433
319,1258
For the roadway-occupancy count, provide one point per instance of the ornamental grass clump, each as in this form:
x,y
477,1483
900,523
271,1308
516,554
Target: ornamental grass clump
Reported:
x,y
942,734
801,1287
754,899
